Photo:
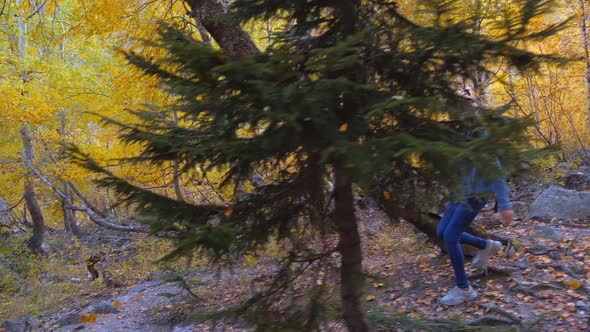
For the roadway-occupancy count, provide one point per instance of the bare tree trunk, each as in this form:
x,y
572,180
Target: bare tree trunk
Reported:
x,y
203,32
176,180
351,274
230,37
69,214
36,240
584,28
176,171
512,92
481,79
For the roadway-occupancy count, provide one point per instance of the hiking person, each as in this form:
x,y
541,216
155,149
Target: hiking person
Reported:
x,y
455,220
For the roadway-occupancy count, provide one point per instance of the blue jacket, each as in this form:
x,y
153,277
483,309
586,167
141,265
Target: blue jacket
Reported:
x,y
476,185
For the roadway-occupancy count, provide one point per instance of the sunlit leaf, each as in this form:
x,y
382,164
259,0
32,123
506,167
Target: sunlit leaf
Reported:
x,y
88,318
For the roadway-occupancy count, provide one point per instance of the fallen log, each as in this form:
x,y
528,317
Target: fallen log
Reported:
x,y
428,222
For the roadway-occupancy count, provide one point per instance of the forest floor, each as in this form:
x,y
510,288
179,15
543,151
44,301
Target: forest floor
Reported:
x,y
537,285
541,286
540,283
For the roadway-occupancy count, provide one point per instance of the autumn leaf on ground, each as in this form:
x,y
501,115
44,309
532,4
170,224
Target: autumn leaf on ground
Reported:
x,y
371,298
228,212
378,284
343,128
386,195
574,284
88,318
116,304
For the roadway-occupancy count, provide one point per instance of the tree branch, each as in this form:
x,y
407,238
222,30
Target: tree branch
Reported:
x,y
90,211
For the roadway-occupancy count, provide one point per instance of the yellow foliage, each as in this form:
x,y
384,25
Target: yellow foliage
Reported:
x,y
251,261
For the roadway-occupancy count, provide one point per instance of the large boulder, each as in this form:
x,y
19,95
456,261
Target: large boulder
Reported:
x,y
578,179
561,203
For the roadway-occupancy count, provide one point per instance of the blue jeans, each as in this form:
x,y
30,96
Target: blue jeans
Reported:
x,y
451,229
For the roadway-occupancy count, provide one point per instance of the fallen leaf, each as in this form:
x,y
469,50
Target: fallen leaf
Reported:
x,y
378,284
116,304
574,284
386,195
371,298
228,212
343,128
88,318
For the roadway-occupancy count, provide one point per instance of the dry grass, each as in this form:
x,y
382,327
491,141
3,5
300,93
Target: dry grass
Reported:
x,y
32,285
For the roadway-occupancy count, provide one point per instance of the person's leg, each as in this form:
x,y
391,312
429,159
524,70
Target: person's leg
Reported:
x,y
466,238
454,233
445,219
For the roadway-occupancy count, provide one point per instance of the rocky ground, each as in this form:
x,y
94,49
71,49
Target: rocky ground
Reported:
x,y
540,282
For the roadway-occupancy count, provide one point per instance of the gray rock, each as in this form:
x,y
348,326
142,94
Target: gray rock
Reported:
x,y
370,232
520,208
577,269
552,233
561,203
4,213
27,324
521,265
72,318
580,304
187,328
540,247
104,307
554,255
578,179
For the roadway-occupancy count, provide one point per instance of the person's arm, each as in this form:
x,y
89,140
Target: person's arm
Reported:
x,y
502,192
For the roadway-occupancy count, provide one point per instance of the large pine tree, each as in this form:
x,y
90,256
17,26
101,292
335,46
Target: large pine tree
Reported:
x,y
350,92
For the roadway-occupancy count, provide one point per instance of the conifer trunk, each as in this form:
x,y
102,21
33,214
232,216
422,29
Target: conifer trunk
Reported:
x,y
351,274
230,37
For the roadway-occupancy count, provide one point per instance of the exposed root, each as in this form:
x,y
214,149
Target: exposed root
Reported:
x,y
502,312
489,320
535,289
491,272
540,252
561,267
